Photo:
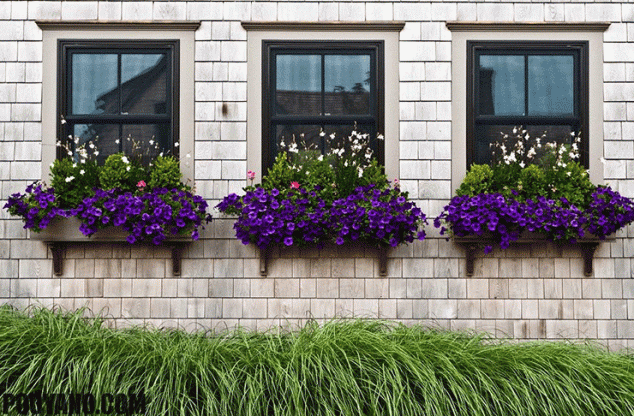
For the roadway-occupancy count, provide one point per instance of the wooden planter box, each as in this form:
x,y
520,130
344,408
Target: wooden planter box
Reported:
x,y
62,232
473,243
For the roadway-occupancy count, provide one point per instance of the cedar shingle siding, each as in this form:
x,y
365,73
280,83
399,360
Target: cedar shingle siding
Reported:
x,y
525,292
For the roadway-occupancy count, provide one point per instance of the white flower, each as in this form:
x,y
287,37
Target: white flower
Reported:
x,y
332,136
91,145
322,133
117,141
125,159
380,137
81,172
151,142
96,153
320,158
522,164
176,144
70,178
127,168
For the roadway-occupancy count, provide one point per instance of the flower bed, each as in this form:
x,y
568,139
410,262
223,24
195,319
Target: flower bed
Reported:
x,y
309,199
551,195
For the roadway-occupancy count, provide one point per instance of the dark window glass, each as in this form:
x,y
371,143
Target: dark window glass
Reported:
x,y
551,85
116,93
94,76
310,88
501,85
540,86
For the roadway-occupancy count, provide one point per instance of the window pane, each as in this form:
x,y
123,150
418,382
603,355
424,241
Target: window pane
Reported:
x,y
487,134
298,84
550,85
94,84
501,86
144,83
145,140
103,136
347,84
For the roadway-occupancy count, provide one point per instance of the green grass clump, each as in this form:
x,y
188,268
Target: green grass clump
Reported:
x,y
351,367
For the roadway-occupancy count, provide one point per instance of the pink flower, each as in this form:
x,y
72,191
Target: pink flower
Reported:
x,y
250,175
295,185
141,185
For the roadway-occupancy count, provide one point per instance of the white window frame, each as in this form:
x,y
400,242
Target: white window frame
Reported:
x,y
388,32
477,31
52,31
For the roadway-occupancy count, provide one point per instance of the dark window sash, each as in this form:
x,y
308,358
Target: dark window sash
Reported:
x,y
269,119
579,50
66,48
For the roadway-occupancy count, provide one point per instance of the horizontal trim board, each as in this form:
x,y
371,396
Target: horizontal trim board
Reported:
x,y
117,25
528,26
387,26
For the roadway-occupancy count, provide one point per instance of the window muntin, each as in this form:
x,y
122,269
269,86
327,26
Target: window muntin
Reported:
x,y
541,86
110,91
331,86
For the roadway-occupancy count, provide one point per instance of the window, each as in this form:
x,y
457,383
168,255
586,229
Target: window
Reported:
x,y
531,45
327,86
351,46
542,86
114,79
113,90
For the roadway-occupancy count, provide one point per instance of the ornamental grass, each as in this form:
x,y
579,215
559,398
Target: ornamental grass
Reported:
x,y
343,367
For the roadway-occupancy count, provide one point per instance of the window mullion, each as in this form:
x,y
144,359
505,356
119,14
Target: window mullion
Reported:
x,y
526,92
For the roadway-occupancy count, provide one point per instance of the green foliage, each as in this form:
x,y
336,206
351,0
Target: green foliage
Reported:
x,y
477,181
120,172
343,367
523,168
165,173
373,173
348,166
72,181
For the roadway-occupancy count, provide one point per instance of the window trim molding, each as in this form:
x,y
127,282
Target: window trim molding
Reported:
x,y
388,32
485,31
325,26
105,31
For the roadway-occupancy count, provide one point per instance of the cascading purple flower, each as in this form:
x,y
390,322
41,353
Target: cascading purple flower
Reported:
x,y
505,219
147,216
300,217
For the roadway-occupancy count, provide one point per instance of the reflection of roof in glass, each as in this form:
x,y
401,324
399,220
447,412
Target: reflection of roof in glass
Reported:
x,y
341,102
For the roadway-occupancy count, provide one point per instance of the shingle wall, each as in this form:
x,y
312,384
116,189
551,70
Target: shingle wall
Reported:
x,y
535,292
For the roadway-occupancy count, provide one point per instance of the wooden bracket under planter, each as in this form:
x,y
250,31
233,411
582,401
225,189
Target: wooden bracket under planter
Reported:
x,y
266,254
63,232
473,244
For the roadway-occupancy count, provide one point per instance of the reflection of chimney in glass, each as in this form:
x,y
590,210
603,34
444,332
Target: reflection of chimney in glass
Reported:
x,y
486,91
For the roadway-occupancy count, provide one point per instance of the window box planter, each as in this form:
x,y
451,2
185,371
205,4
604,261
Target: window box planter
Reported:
x,y
62,232
475,243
